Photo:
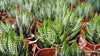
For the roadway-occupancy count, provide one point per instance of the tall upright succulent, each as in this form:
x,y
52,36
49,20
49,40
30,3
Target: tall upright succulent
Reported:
x,y
12,45
93,30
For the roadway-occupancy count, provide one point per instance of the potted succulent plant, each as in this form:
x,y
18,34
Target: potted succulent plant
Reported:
x,y
92,30
72,3
96,6
51,34
4,27
81,1
4,6
84,10
12,45
90,37
72,50
53,10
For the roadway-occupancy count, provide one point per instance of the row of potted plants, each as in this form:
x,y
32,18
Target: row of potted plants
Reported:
x,y
59,25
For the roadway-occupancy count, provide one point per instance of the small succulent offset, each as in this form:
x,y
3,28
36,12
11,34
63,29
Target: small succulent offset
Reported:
x,y
12,45
49,33
92,34
84,10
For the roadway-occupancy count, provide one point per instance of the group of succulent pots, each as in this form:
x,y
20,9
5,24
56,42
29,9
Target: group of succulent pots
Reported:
x,y
49,28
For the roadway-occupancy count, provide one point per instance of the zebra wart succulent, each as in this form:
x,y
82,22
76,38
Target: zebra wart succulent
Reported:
x,y
4,27
56,32
84,10
92,34
96,5
68,50
72,26
51,9
12,45
49,33
24,23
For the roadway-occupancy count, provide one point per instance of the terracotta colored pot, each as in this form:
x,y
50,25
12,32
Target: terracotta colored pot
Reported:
x,y
94,14
27,40
34,49
88,49
82,41
18,7
97,49
11,20
85,21
37,22
80,1
46,52
4,15
73,6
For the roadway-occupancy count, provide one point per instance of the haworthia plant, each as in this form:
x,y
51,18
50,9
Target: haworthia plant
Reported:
x,y
4,27
93,30
96,5
56,32
51,9
72,26
12,45
5,5
84,10
24,23
50,33
68,50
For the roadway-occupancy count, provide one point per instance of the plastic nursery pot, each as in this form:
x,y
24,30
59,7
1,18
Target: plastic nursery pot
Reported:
x,y
37,22
83,43
97,49
46,52
34,49
73,6
94,14
11,20
27,40
86,50
85,21
18,7
80,1
4,15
